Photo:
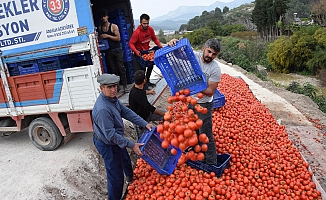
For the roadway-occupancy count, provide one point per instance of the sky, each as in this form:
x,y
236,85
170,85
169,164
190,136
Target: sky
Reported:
x,y
157,8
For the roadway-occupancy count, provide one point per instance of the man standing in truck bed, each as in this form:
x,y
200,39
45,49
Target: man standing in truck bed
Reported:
x,y
113,56
140,40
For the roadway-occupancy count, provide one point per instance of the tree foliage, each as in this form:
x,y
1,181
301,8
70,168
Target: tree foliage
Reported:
x,y
199,36
301,7
303,51
226,9
161,37
279,54
267,14
319,12
221,22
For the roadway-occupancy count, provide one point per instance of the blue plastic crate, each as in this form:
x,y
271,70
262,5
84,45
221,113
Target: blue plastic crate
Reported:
x,y
116,13
13,69
54,63
120,21
103,45
127,54
155,155
219,99
28,67
124,42
105,67
73,60
180,67
80,59
123,32
146,63
223,162
129,72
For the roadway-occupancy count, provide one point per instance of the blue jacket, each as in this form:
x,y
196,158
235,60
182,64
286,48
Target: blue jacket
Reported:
x,y
107,117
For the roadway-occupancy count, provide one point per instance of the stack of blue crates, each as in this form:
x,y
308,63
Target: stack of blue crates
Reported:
x,y
129,72
53,63
118,17
25,67
50,63
80,59
13,69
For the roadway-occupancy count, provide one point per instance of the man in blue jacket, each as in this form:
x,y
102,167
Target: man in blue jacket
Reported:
x,y
109,137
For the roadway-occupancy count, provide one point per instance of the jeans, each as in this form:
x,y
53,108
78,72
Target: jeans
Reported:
x,y
155,117
117,162
115,60
210,154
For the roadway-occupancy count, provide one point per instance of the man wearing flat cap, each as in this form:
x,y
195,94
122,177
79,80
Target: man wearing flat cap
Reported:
x,y
109,137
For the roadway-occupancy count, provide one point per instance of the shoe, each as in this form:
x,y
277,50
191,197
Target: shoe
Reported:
x,y
151,84
128,179
125,89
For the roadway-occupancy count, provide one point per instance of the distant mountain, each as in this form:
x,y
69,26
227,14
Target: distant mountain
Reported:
x,y
174,19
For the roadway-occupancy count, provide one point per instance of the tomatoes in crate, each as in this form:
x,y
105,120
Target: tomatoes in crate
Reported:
x,y
149,56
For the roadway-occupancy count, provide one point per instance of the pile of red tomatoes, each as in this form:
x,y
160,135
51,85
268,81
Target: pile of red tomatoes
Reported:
x,y
265,164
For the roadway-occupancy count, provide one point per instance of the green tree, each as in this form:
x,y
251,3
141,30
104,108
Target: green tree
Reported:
x,y
160,33
214,25
161,36
301,7
226,9
226,30
301,52
279,55
183,27
266,14
259,17
319,12
218,14
199,36
318,61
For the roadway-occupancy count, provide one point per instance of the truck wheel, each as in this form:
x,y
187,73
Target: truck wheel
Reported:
x,y
44,134
7,123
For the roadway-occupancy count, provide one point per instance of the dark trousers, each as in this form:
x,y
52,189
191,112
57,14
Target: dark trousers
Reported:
x,y
116,65
137,66
117,162
210,154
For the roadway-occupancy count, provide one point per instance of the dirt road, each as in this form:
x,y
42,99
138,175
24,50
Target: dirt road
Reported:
x,y
75,170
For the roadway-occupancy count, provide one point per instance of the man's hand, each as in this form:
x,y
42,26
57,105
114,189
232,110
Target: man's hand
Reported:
x,y
152,91
149,126
103,36
137,53
136,148
172,42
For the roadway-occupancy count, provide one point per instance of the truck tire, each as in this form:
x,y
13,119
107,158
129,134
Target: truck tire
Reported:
x,y
7,123
44,134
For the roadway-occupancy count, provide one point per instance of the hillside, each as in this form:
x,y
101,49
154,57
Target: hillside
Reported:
x,y
174,19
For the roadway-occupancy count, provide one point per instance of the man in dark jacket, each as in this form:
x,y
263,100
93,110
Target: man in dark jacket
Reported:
x,y
138,101
109,137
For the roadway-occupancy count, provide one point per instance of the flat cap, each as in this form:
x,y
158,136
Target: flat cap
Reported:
x,y
108,79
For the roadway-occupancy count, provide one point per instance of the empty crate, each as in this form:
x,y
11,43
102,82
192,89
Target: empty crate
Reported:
x,y
180,67
155,155
219,99
223,162
103,45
